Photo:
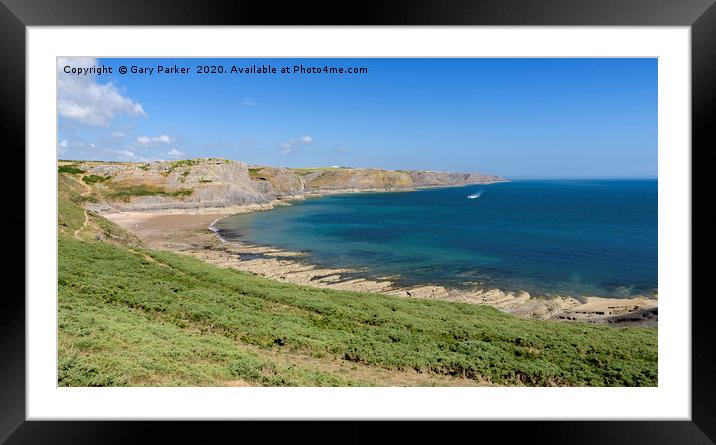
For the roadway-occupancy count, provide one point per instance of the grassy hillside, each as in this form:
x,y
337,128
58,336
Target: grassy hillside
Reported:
x,y
130,316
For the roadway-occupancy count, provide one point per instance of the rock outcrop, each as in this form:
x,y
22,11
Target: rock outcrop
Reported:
x,y
201,184
282,181
432,179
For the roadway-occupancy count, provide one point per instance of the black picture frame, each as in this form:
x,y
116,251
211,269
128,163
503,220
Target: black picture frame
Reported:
x,y
700,15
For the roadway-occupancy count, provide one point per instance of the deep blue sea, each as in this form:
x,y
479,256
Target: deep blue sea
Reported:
x,y
576,237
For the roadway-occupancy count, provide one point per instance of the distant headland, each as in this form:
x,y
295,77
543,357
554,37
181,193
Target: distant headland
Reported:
x,y
210,184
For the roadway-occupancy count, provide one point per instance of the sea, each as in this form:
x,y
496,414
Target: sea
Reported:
x,y
546,237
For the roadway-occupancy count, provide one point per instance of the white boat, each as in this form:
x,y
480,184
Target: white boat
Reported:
x,y
475,195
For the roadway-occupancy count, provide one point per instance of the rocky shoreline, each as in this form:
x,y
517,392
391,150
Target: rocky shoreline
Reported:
x,y
192,234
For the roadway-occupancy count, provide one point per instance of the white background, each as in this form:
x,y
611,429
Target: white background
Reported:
x,y
670,400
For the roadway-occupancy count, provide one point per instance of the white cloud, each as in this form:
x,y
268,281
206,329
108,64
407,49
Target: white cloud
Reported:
x,y
342,150
162,138
290,146
248,102
118,134
63,143
83,99
126,153
175,153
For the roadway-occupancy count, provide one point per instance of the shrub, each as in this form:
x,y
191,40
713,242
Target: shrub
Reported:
x,y
93,179
126,193
71,169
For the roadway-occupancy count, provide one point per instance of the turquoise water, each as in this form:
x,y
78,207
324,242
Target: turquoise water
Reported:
x,y
575,236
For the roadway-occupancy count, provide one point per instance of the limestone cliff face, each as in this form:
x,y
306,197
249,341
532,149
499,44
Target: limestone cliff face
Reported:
x,y
282,181
357,179
205,184
181,185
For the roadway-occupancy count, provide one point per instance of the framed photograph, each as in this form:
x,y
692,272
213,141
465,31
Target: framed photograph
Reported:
x,y
469,212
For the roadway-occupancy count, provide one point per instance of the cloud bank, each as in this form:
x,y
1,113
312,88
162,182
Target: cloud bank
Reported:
x,y
82,99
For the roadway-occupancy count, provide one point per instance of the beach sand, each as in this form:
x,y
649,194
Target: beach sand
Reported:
x,y
189,233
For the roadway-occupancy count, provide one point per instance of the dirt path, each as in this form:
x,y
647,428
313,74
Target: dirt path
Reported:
x,y
84,224
87,191
365,375
157,262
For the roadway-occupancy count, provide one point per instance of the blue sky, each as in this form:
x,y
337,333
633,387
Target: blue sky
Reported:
x,y
520,118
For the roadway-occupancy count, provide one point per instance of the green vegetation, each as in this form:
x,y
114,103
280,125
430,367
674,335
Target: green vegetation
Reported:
x,y
93,179
111,232
131,316
223,160
106,344
87,198
69,215
71,169
182,163
144,167
125,193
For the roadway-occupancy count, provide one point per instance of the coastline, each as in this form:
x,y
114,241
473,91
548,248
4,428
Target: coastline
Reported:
x,y
192,233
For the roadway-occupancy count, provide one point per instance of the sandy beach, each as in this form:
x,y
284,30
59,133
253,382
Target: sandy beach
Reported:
x,y
190,234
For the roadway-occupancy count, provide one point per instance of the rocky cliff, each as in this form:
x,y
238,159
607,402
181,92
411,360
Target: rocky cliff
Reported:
x,y
205,184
